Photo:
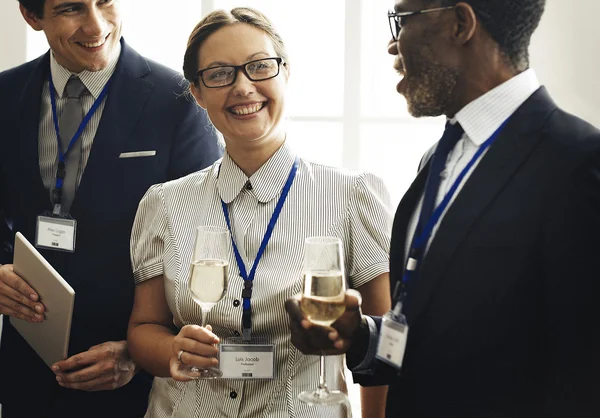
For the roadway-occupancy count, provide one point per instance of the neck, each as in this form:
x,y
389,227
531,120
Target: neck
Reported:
x,y
250,156
482,75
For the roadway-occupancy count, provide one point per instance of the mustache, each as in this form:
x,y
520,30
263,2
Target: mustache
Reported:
x,y
399,66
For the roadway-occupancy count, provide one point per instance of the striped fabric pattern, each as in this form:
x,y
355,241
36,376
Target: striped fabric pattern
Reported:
x,y
47,143
353,206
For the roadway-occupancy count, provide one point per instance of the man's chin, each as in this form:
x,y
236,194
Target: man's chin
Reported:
x,y
417,110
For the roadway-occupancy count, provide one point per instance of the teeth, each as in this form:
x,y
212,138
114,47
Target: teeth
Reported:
x,y
246,110
93,45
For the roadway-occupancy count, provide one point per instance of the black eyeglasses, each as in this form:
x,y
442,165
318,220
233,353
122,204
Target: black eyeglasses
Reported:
x,y
225,75
395,18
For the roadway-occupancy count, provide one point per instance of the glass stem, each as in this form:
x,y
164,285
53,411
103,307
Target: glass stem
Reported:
x,y
203,314
322,384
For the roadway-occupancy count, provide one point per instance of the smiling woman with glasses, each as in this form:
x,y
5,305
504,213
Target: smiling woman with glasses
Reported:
x,y
269,200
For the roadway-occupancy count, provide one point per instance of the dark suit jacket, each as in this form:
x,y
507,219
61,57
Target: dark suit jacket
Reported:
x,y
504,317
144,111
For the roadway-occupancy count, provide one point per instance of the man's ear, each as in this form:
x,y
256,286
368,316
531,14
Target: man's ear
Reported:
x,y
31,18
466,22
197,93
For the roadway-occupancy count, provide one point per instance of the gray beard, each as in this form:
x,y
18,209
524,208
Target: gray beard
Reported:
x,y
430,92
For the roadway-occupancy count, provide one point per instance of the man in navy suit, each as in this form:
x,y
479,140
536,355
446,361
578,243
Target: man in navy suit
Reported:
x,y
495,253
141,130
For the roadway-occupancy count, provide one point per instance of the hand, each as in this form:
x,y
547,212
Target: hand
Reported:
x,y
315,339
103,367
17,298
198,345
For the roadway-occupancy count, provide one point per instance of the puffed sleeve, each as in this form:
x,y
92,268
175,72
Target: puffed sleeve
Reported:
x,y
148,236
369,227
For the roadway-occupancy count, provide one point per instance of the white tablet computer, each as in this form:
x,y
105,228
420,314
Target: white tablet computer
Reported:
x,y
49,338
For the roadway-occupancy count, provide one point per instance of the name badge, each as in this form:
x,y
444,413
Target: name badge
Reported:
x,y
246,360
55,233
392,340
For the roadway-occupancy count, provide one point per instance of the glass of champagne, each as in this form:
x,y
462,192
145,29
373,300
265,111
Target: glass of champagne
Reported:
x,y
322,302
208,282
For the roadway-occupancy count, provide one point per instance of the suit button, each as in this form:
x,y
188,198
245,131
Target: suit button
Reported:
x,y
237,334
236,303
233,394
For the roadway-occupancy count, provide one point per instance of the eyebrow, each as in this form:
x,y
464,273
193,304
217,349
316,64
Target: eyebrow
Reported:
x,y
249,58
66,5
398,8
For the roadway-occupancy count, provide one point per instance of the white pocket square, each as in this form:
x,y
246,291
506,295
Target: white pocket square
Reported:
x,y
137,154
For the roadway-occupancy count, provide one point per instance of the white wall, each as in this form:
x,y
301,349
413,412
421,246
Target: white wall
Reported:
x,y
565,56
12,48
12,35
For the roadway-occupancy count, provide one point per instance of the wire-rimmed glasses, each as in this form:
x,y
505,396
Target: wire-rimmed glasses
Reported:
x,y
395,18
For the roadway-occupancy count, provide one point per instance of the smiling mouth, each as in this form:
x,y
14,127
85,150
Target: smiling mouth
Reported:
x,y
95,44
246,109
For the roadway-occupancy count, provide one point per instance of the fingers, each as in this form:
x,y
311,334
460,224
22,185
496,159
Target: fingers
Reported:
x,y
10,278
202,362
198,333
77,362
17,298
11,307
198,346
192,347
292,306
81,379
102,376
176,374
106,366
353,300
313,340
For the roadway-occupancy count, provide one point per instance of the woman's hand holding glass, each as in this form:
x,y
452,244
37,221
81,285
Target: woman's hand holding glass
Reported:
x,y
207,285
194,346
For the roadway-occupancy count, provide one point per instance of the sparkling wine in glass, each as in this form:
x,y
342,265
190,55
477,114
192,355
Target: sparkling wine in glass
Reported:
x,y
208,282
322,302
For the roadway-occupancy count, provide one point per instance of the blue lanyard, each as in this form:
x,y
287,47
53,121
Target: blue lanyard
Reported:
x,y
248,279
60,173
419,241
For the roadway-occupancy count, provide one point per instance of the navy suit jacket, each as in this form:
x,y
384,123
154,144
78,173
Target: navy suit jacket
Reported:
x,y
145,110
504,314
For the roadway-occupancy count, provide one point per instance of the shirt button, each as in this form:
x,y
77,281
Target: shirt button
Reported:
x,y
236,303
233,394
237,334
248,185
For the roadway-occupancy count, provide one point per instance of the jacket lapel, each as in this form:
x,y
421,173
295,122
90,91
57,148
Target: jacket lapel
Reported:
x,y
127,97
401,221
27,153
496,168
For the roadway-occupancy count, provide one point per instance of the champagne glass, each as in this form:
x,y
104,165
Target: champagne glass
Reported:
x,y
208,282
322,302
